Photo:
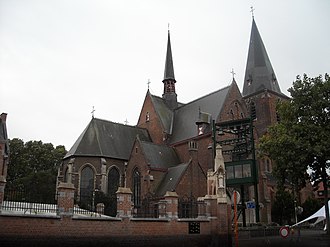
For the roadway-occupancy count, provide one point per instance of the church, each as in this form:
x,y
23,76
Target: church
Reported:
x,y
171,148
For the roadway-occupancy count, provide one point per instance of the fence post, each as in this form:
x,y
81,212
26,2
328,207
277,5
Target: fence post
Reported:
x,y
65,199
124,202
2,191
171,199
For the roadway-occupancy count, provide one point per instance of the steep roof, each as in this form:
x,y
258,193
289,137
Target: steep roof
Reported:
x,y
171,179
169,70
186,116
259,73
107,139
164,112
159,156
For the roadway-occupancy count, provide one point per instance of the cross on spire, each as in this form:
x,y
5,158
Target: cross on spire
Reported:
x,y
148,83
233,73
252,11
93,112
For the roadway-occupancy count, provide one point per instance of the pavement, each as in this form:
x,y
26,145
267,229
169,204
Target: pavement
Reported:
x,y
306,238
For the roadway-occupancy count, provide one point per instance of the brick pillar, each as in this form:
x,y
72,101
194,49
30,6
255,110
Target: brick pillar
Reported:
x,y
65,199
124,202
210,206
171,199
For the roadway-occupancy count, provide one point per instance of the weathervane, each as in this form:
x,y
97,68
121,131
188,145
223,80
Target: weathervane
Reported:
x,y
93,112
252,11
148,83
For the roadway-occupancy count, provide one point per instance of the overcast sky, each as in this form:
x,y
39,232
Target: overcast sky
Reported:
x,y
60,58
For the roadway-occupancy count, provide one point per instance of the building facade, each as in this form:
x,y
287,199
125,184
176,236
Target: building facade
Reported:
x,y
172,146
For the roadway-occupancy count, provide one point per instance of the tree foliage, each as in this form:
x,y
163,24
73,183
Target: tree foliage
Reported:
x,y
301,139
33,167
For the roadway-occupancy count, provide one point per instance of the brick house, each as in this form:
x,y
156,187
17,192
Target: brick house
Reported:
x,y
171,147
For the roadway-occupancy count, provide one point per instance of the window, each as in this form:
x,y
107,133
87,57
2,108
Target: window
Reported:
x,y
253,112
86,183
113,181
136,188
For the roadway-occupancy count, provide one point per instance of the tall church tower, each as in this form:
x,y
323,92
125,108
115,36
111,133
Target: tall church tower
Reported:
x,y
261,93
169,94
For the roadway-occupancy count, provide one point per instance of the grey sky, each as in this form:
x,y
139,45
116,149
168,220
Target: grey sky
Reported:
x,y
60,58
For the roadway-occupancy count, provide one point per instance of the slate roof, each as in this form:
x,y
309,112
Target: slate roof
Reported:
x,y
259,73
159,156
171,179
107,139
186,116
164,113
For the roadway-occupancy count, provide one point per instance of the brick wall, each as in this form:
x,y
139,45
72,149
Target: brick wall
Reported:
x,y
66,229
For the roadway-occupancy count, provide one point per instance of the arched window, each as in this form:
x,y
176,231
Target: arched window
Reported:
x,y
113,184
253,111
86,183
113,181
136,188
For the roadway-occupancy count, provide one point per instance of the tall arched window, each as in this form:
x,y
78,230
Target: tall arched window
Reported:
x,y
66,174
113,181
113,184
136,188
86,183
253,112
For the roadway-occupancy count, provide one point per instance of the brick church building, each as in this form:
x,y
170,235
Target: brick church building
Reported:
x,y
171,147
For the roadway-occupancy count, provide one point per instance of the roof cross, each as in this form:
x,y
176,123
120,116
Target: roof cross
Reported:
x,y
126,121
148,83
93,112
233,73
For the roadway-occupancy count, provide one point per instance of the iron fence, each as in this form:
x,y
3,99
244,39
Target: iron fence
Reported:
x,y
148,209
188,207
95,202
21,201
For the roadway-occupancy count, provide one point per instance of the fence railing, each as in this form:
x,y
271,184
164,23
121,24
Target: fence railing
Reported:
x,y
21,201
95,203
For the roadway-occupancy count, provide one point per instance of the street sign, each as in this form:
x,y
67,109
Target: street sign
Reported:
x,y
284,231
250,204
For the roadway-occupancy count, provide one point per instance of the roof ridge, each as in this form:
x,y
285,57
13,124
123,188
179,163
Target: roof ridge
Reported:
x,y
204,96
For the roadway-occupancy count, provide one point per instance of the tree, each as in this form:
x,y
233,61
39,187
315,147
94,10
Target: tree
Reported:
x,y
33,167
301,139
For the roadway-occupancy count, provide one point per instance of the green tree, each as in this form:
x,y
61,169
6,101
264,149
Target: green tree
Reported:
x,y
33,167
301,139
283,207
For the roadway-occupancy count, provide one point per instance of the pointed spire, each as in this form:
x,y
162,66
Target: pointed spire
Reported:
x,y
259,73
169,94
169,71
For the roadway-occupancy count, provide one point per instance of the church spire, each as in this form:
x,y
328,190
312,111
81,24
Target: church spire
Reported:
x,y
169,81
259,73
